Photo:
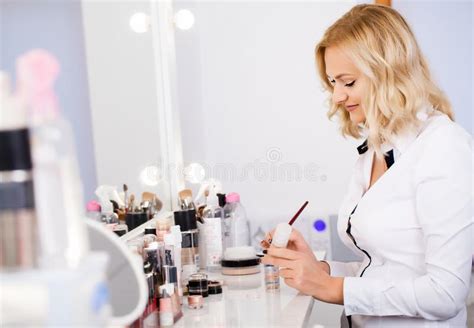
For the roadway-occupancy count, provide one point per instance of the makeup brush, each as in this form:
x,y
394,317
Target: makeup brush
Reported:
x,y
125,193
147,196
186,199
293,219
185,193
157,203
206,194
131,204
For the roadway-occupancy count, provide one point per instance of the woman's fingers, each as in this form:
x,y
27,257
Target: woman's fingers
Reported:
x,y
286,273
268,240
278,261
284,253
264,244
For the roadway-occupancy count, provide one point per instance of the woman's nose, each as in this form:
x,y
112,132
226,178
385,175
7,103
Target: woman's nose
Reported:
x,y
338,96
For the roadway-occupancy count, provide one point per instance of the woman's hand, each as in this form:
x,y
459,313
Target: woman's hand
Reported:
x,y
305,273
296,242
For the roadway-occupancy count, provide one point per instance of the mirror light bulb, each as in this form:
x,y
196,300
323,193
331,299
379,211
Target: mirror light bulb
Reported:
x,y
184,19
194,173
140,22
151,176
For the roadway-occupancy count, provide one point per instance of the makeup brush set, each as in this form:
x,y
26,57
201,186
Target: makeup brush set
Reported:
x,y
116,208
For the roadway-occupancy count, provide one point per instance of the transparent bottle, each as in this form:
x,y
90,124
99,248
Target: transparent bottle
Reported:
x,y
235,226
211,232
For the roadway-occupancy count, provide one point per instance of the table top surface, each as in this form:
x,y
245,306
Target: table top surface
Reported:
x,y
245,302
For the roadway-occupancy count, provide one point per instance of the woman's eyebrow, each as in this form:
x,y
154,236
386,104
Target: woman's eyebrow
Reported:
x,y
340,75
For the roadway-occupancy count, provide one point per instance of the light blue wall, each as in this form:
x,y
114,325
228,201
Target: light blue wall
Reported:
x,y
57,27
445,33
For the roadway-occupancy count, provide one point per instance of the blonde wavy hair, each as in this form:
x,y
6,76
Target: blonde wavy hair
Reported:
x,y
382,46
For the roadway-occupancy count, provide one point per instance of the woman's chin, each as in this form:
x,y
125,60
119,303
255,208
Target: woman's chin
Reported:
x,y
356,117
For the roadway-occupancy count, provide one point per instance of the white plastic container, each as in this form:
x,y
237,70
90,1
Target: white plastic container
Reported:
x,y
281,235
57,297
235,226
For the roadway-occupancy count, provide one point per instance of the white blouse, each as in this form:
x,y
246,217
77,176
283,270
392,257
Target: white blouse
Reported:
x,y
414,230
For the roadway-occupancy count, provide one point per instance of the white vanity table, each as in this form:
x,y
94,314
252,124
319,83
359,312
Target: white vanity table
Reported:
x,y
244,302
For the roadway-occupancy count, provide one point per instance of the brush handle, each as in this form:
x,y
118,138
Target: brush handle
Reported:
x,y
293,219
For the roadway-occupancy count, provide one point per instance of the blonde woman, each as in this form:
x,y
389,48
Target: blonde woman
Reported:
x,y
408,208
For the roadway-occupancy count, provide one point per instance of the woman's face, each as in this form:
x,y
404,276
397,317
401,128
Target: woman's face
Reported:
x,y
349,84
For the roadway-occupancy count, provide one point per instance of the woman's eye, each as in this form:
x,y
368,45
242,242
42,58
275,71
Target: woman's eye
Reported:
x,y
350,84
332,82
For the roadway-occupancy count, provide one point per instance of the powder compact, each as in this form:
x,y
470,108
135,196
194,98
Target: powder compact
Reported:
x,y
240,267
239,261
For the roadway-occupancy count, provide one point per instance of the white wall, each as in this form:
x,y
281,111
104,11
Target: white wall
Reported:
x,y
444,30
249,94
250,98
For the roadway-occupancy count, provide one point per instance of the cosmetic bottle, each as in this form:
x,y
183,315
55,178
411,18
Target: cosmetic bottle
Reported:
x,y
148,270
236,230
169,249
64,241
18,223
93,211
176,232
280,240
163,226
170,272
166,310
211,235
152,255
172,291
58,188
18,219
186,220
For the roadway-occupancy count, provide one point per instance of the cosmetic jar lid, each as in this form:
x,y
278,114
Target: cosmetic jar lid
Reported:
x,y
15,150
222,199
240,263
233,197
198,277
93,206
150,231
186,219
214,287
